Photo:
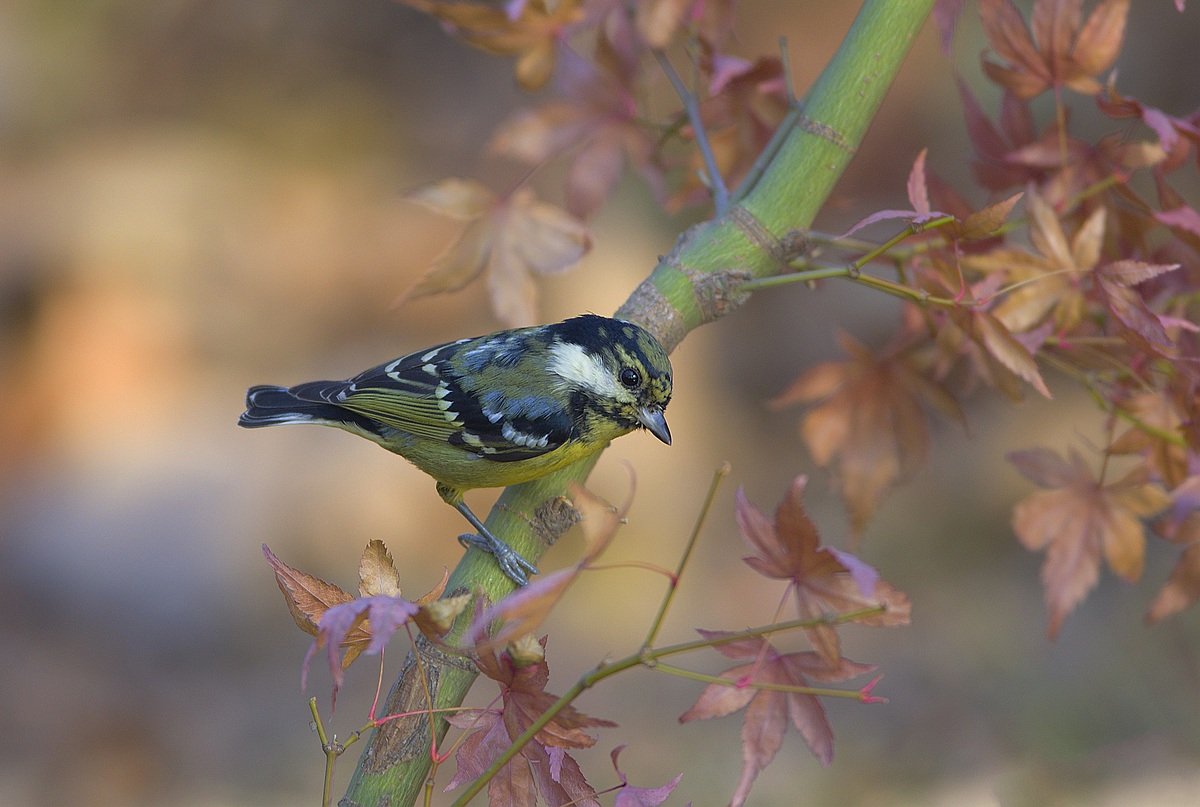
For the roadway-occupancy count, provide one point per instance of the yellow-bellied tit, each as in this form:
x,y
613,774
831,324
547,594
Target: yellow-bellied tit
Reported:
x,y
493,410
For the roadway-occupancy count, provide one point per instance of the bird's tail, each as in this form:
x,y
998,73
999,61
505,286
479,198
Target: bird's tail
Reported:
x,y
268,405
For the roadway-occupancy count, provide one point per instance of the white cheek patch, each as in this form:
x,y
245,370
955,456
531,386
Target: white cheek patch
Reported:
x,y
579,368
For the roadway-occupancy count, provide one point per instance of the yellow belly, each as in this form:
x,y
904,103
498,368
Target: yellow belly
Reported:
x,y
463,470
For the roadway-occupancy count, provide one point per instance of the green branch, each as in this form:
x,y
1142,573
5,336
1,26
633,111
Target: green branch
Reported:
x,y
696,283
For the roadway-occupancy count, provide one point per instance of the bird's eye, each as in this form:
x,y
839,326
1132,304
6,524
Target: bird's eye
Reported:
x,y
630,377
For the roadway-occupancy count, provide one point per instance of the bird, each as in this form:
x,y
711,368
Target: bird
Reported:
x,y
493,410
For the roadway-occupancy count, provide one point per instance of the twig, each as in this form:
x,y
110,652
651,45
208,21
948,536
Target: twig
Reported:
x,y
715,181
655,626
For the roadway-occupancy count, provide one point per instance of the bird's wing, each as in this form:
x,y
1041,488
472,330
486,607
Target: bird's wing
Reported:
x,y
422,395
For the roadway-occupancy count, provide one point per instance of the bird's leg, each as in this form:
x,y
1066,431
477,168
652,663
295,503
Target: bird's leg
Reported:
x,y
515,567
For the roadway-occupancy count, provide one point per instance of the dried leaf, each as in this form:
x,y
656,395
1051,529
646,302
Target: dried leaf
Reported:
x,y
823,581
307,597
984,223
437,616
1131,273
1099,42
510,240
867,421
532,34
377,572
918,192
1078,520
542,769
462,199
1065,55
1004,348
630,796
658,20
768,710
1139,324
1182,588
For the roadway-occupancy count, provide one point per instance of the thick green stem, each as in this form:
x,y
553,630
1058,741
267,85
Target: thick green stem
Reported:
x,y
696,283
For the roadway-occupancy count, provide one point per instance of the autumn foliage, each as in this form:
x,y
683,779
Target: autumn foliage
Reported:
x,y
1080,269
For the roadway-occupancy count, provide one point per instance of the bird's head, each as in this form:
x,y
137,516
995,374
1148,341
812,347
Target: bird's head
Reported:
x,y
616,369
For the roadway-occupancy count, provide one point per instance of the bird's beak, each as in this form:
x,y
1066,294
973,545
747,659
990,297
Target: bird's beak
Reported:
x,y
652,418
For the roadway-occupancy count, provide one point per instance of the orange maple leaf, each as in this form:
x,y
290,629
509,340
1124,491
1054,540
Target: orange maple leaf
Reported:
x,y
598,122
510,239
1181,525
867,421
1059,49
1182,588
532,34
1078,520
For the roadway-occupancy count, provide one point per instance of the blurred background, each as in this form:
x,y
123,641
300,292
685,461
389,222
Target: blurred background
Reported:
x,y
199,196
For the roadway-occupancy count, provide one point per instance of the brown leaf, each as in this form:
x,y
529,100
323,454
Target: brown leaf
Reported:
x,y
1008,36
307,597
1157,418
866,420
768,710
462,199
437,616
531,237
1099,42
510,240
1131,273
658,20
984,223
823,581
1004,348
1182,588
1064,55
1078,520
491,732
532,36
377,572
918,193
598,131
1138,323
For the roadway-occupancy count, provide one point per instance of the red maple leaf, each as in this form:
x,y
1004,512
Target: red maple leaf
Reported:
x,y
542,768
631,796
825,581
769,710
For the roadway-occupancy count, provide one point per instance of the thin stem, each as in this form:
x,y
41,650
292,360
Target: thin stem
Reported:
x,y
715,181
656,625
785,63
330,750
1089,384
824,692
760,283
912,230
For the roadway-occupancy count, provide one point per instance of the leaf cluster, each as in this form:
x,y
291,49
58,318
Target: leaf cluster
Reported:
x,y
1075,271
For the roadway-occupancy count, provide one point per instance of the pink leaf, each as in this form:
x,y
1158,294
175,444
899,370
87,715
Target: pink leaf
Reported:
x,y
918,194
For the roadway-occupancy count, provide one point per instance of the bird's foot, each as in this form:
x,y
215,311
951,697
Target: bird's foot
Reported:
x,y
515,567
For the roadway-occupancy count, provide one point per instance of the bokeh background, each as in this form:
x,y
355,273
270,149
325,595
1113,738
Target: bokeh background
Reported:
x,y
198,196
